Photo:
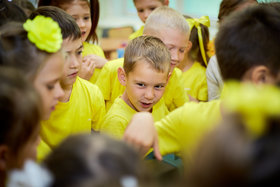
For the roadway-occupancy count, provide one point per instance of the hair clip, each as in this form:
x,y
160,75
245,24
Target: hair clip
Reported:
x,y
45,33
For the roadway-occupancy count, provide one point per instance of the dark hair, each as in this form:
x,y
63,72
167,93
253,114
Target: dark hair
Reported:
x,y
26,5
11,12
229,6
195,52
17,51
19,109
97,159
249,38
94,13
69,27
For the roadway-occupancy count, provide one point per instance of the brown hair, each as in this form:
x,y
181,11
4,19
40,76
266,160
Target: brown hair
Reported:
x,y
95,160
19,109
67,24
229,6
94,13
249,38
195,52
150,49
17,51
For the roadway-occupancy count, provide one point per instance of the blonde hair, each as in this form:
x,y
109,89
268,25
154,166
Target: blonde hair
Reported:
x,y
150,49
166,17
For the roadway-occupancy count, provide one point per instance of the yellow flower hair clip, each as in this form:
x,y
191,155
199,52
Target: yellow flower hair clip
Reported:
x,y
194,22
256,104
45,33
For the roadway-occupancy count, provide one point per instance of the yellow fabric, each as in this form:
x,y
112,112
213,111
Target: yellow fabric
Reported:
x,y
91,49
255,103
137,33
108,82
184,127
111,88
120,114
174,94
83,112
195,82
204,20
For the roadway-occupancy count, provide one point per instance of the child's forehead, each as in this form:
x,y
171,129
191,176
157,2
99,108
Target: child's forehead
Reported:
x,y
70,44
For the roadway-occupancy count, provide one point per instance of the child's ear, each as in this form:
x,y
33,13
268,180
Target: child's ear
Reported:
x,y
189,46
166,2
3,157
260,75
122,76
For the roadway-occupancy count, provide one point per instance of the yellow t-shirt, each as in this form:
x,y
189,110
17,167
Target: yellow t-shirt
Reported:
x,y
119,115
195,82
174,95
137,33
108,82
91,49
184,127
83,112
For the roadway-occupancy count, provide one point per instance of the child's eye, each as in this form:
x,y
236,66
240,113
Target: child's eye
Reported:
x,y
152,8
159,86
140,10
86,18
50,86
140,84
182,50
79,52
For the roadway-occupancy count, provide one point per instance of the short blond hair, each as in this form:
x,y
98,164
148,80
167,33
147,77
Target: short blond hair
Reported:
x,y
166,17
150,49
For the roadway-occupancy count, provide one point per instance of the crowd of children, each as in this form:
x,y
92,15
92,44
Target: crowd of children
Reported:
x,y
172,112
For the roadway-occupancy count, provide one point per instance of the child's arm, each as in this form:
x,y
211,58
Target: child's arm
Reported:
x,y
98,61
87,69
147,138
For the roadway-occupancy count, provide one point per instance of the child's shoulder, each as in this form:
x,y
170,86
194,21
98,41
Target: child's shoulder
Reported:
x,y
114,64
137,33
82,84
89,48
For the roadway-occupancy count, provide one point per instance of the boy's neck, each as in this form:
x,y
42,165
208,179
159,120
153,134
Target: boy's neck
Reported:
x,y
67,92
186,64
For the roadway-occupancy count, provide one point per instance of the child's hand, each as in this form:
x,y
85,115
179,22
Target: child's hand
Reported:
x,y
87,69
97,60
142,134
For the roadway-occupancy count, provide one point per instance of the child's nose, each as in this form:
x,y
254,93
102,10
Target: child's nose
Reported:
x,y
80,23
149,94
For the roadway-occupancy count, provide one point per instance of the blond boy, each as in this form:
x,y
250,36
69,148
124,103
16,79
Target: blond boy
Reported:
x,y
171,27
144,9
144,75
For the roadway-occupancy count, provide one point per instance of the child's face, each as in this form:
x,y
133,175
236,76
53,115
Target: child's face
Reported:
x,y
80,11
144,86
73,58
145,8
47,83
176,42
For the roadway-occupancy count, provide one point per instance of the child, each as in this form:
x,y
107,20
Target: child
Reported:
x,y
87,160
171,27
86,15
244,149
38,57
246,60
144,9
196,59
19,115
144,74
82,107
213,73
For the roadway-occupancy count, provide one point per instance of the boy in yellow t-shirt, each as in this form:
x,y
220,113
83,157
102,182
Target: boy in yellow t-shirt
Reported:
x,y
171,27
82,108
144,9
259,63
144,74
